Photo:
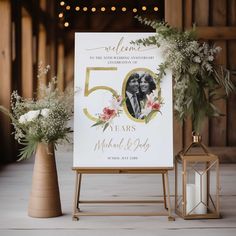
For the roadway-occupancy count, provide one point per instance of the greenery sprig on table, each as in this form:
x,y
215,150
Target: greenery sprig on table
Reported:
x,y
41,120
198,80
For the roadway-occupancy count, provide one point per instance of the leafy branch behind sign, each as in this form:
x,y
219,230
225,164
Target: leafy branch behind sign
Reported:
x,y
198,80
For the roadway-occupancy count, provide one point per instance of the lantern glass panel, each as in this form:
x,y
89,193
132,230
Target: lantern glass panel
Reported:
x,y
213,187
179,187
193,179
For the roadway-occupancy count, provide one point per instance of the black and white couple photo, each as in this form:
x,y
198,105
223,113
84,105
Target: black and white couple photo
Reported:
x,y
138,86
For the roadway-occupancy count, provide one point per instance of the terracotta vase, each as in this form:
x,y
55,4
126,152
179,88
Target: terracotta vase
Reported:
x,y
45,197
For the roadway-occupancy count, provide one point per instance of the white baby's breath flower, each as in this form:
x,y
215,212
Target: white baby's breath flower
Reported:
x,y
44,112
211,58
197,59
22,119
218,49
208,67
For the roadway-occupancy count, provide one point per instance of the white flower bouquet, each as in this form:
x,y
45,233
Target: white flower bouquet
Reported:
x,y
42,120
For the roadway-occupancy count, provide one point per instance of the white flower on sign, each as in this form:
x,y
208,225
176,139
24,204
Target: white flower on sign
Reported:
x,y
116,103
145,111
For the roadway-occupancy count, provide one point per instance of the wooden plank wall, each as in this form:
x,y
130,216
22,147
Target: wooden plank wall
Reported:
x,y
6,141
231,46
175,20
60,66
24,39
27,55
42,37
51,38
201,11
218,125
216,23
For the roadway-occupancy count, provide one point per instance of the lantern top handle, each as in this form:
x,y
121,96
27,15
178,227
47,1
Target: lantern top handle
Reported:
x,y
196,137
196,141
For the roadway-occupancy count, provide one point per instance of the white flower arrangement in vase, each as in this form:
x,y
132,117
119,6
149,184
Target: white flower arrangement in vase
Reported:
x,y
41,120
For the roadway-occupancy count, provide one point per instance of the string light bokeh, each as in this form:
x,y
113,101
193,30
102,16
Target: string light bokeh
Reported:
x,y
68,7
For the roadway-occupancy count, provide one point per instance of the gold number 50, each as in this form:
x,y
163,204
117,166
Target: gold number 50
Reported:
x,y
88,91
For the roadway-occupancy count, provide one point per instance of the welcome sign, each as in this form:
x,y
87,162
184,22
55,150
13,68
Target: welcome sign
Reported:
x,y
123,113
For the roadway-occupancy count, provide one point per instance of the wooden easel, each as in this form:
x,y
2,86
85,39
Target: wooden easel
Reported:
x,y
166,194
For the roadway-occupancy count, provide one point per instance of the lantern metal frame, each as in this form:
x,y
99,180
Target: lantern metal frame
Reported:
x,y
188,159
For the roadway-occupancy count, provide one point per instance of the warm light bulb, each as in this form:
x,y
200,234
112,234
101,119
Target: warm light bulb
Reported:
x,y
60,15
77,8
62,3
123,8
66,24
144,8
68,7
85,8
103,9
93,9
113,8
155,8
135,10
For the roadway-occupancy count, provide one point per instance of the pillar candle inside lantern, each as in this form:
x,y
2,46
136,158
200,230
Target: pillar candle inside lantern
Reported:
x,y
190,198
200,192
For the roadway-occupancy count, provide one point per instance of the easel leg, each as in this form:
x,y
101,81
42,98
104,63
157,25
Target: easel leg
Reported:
x,y
76,198
170,217
164,190
78,190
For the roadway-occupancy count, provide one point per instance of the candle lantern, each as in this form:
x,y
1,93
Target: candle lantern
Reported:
x,y
197,182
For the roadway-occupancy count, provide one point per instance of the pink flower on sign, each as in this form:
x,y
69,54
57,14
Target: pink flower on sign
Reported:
x,y
119,99
108,113
151,97
152,102
156,106
149,103
153,105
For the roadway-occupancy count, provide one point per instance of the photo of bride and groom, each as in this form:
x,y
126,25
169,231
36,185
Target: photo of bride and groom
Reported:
x,y
138,86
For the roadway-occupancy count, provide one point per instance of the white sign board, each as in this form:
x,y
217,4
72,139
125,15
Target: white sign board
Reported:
x,y
123,113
